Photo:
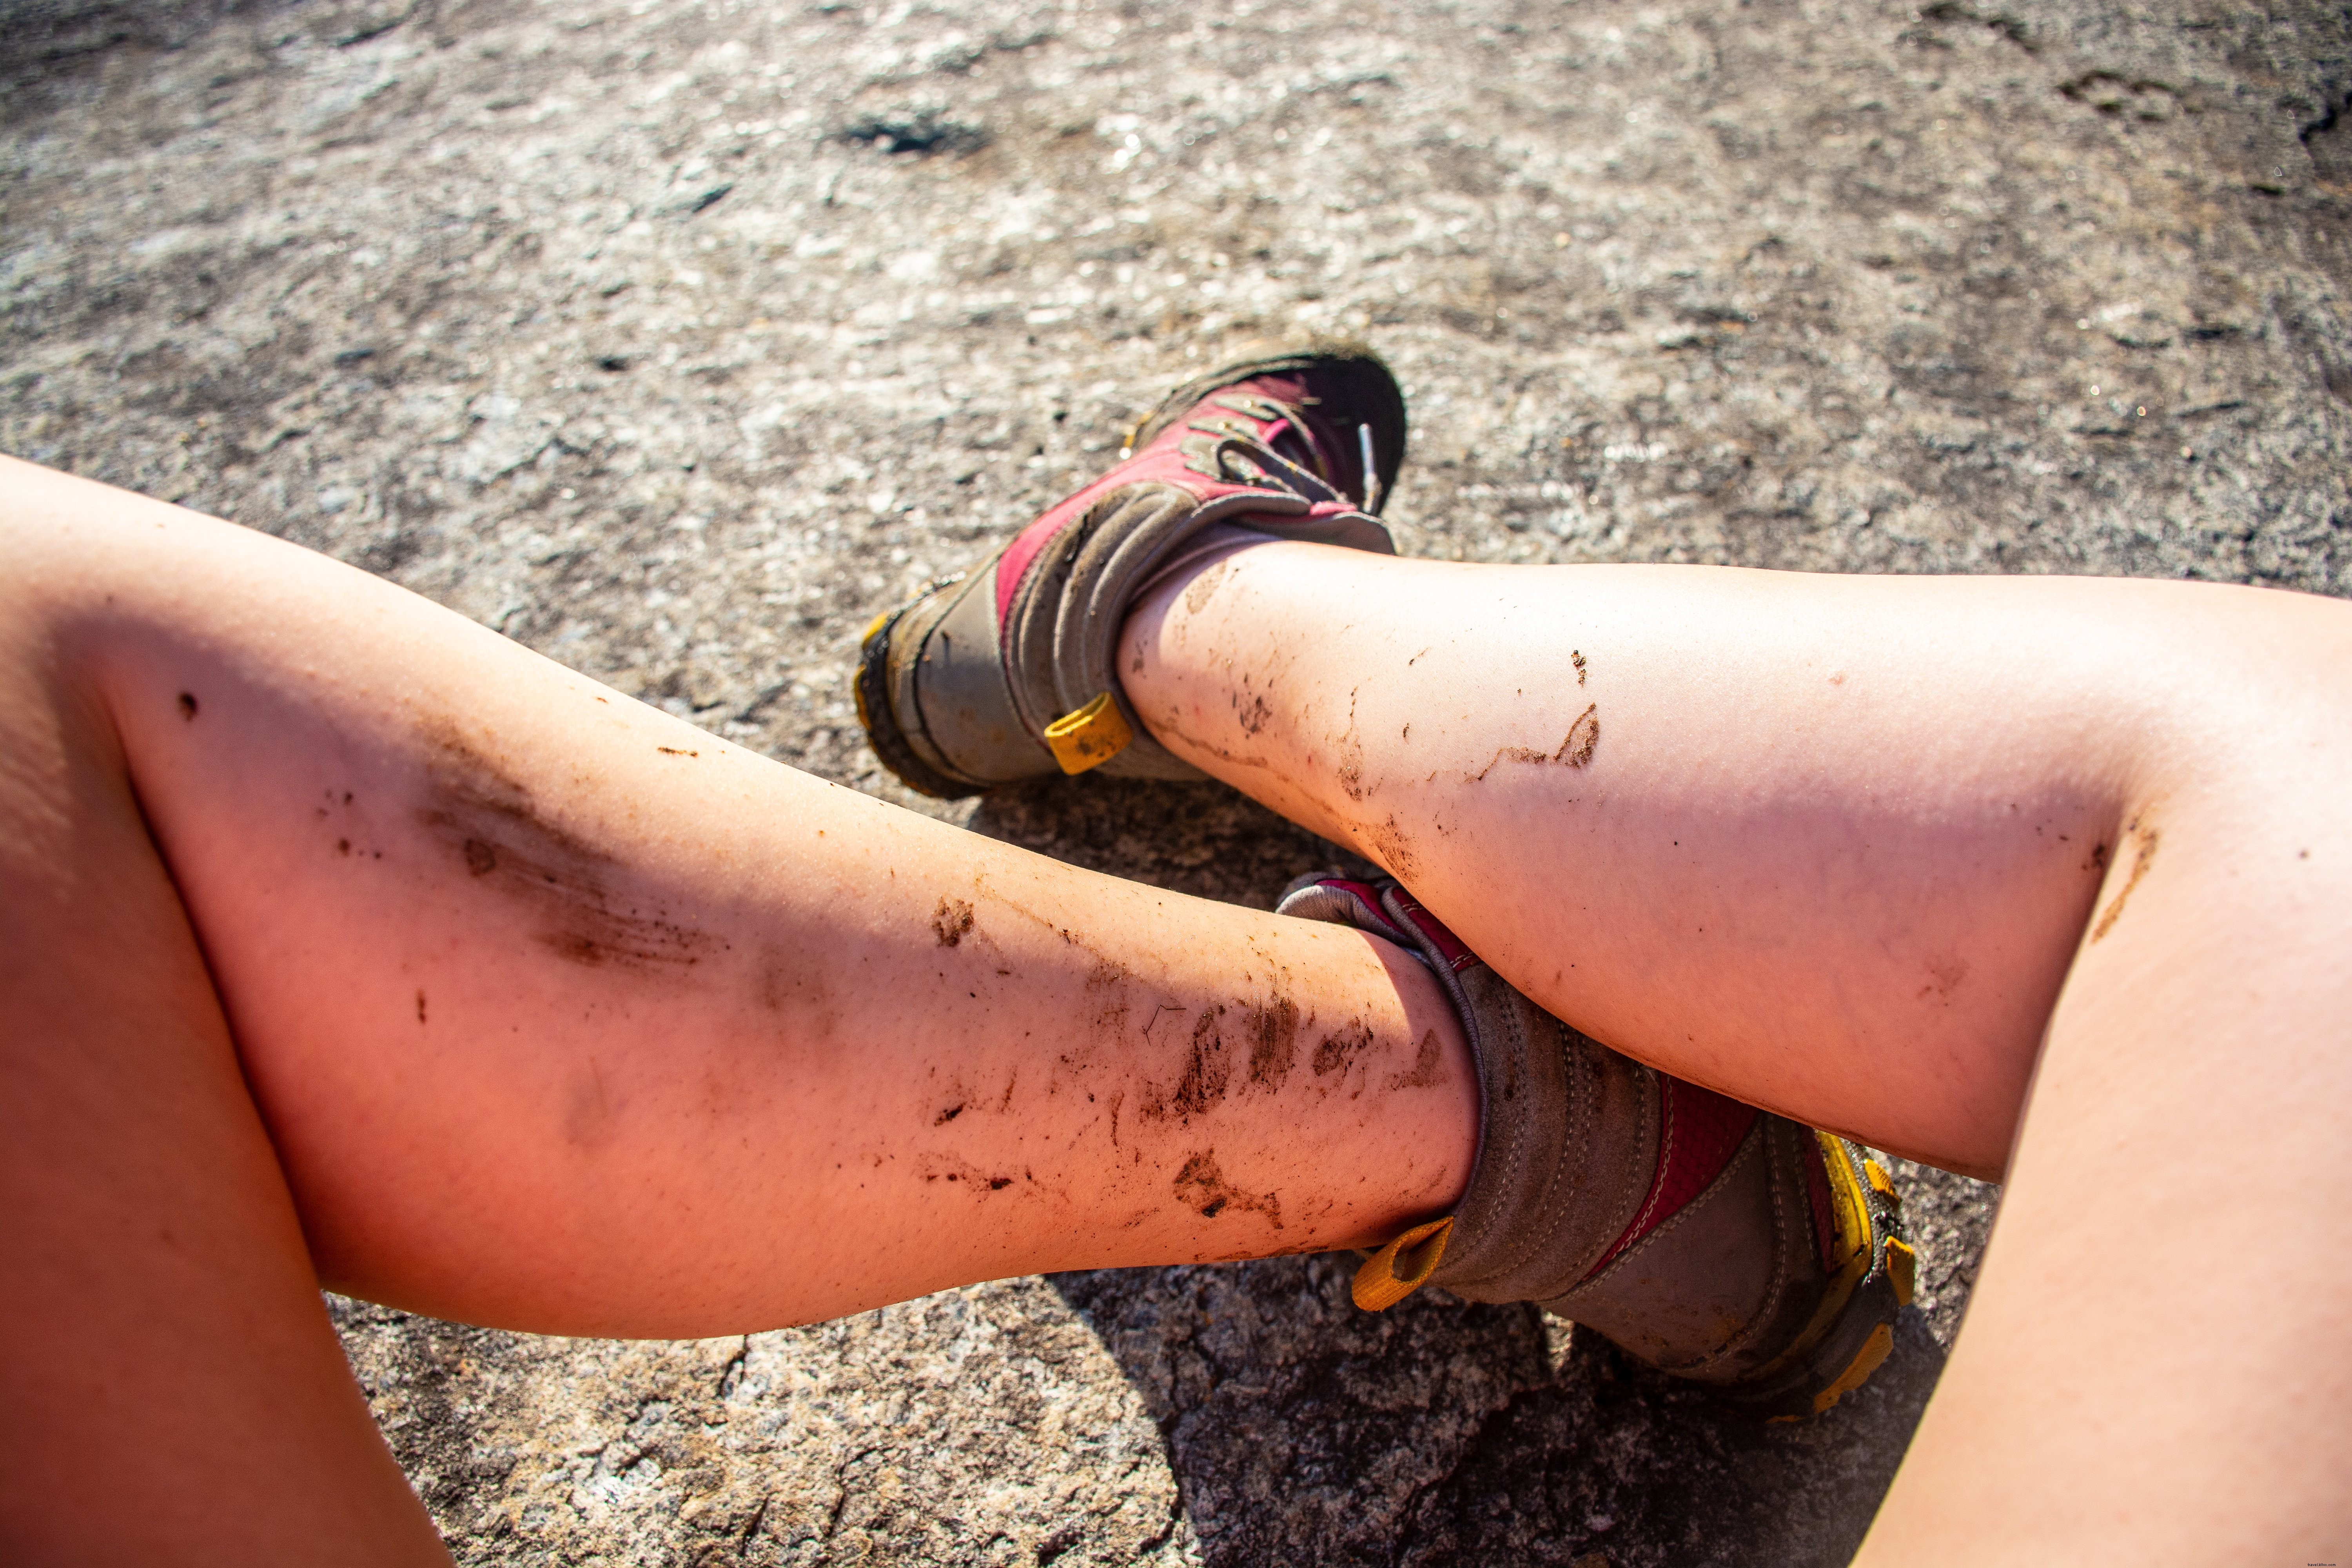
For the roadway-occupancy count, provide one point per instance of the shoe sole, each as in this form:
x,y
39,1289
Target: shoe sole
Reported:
x,y
1861,1336
871,689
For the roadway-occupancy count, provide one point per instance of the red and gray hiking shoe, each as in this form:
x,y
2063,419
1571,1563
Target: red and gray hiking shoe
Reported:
x,y
1006,674
1710,1239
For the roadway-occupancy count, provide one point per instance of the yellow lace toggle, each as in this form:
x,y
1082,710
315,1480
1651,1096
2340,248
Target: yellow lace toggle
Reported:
x,y
1400,1267
1088,737
1902,1271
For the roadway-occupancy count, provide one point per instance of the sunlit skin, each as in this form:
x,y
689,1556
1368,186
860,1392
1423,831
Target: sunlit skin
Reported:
x,y
352,943
1853,848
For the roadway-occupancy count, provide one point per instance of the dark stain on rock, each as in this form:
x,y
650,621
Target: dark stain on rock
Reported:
x,y
1201,1185
952,921
492,823
2143,857
1273,1033
188,705
1575,748
1428,1066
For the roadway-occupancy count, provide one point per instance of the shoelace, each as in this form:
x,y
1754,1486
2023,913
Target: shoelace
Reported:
x,y
1240,454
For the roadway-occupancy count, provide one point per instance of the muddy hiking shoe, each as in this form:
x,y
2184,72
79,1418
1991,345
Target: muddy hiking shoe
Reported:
x,y
1006,674
1711,1240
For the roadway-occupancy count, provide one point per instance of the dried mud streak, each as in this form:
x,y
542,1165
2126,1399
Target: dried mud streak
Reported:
x,y
1338,1051
494,827
1428,1066
2143,857
952,921
1576,747
1203,588
1274,1042
1201,1185
1387,841
1350,748
1208,1069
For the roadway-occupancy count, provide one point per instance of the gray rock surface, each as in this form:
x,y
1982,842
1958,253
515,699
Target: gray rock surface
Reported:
x,y
678,340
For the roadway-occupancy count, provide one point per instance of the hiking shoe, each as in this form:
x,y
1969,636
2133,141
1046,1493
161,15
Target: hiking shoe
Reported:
x,y
1006,674
1711,1240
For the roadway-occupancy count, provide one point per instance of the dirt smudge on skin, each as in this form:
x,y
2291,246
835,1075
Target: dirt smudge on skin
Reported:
x,y
1428,1066
188,705
950,1114
1251,709
588,1121
1389,846
500,833
420,1007
1106,982
979,1183
1944,978
789,979
1273,1042
1338,1051
1576,660
1208,1069
1350,748
1576,747
1204,588
952,921
1202,1186
2143,857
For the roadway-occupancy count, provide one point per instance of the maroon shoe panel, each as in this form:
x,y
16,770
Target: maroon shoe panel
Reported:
x,y
1698,1132
1457,957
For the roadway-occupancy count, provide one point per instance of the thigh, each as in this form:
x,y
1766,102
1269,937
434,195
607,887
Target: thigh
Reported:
x,y
173,1390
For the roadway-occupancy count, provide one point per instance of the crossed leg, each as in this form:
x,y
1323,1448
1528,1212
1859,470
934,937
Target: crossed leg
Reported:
x,y
1883,854
350,943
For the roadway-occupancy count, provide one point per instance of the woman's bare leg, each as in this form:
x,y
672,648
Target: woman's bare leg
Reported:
x,y
1854,849
349,942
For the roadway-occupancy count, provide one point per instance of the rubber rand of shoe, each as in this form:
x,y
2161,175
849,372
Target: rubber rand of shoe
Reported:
x,y
1007,673
1710,1240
